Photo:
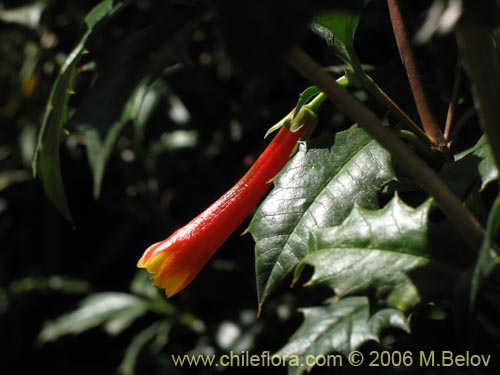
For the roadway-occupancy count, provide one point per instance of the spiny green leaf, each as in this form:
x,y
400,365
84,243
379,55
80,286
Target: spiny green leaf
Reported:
x,y
340,327
116,311
386,250
387,318
317,188
46,162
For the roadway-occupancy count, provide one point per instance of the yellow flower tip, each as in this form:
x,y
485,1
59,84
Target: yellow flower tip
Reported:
x,y
175,284
171,266
152,259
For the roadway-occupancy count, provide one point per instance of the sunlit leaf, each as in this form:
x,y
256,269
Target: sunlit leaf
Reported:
x,y
338,27
339,327
317,188
385,250
341,24
387,318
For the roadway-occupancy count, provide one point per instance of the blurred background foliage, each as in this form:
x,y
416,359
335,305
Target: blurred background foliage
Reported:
x,y
71,298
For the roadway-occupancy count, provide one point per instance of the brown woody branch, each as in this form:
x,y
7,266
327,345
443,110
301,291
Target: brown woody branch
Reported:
x,y
425,176
425,112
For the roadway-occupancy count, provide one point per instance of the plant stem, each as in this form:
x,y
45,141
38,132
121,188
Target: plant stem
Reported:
x,y
450,117
314,104
406,121
463,220
425,112
481,62
371,86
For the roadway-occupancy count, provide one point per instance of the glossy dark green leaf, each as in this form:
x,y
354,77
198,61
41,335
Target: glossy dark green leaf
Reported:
x,y
46,162
384,250
341,24
338,27
387,318
317,188
339,327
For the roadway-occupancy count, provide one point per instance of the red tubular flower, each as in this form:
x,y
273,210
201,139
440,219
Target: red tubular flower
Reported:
x,y
174,262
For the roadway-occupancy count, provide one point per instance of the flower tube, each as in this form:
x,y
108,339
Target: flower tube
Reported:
x,y
174,262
